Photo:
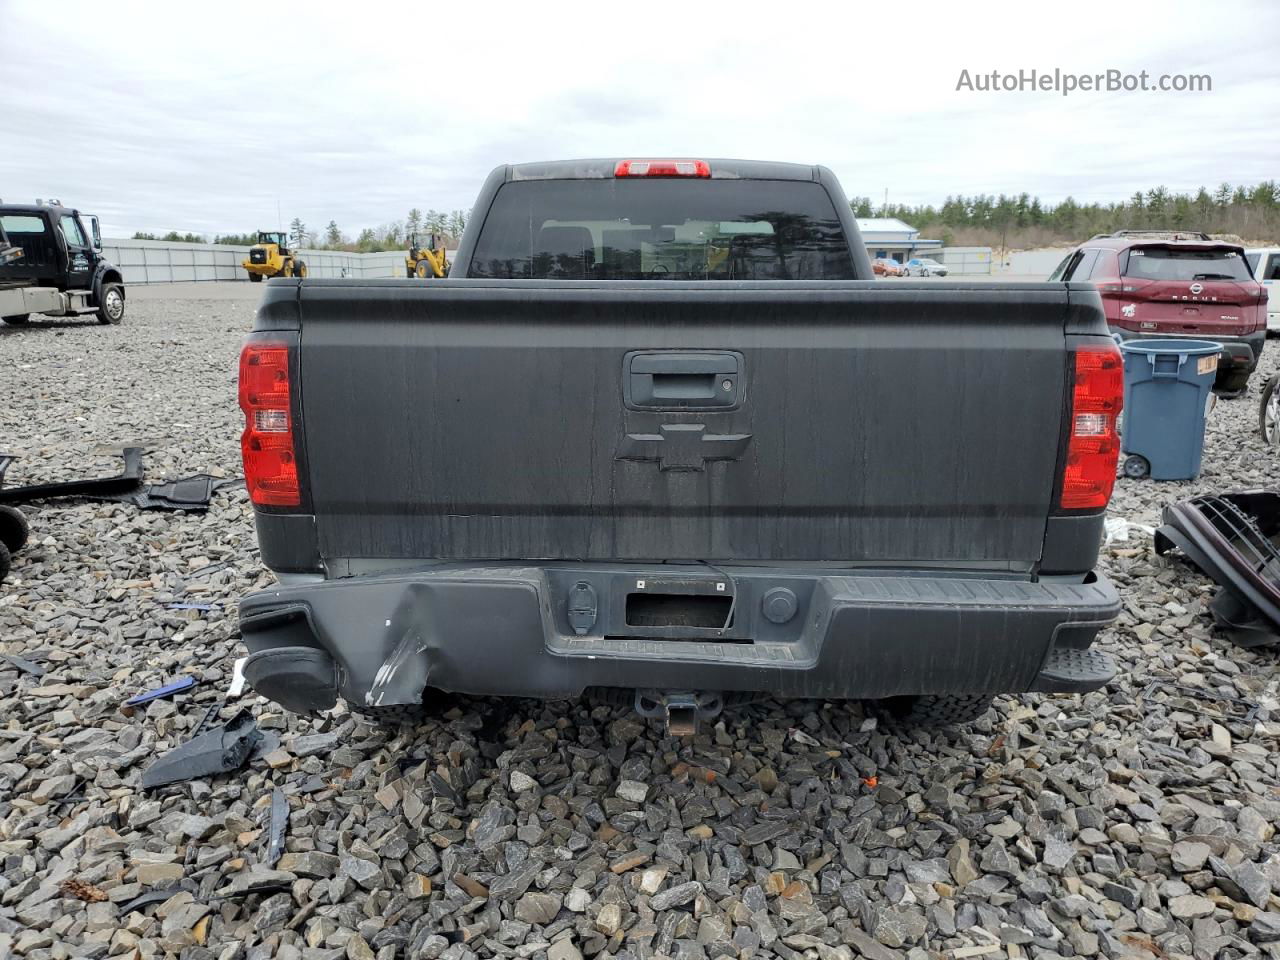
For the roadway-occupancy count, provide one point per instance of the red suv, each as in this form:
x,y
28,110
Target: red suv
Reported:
x,y
1157,283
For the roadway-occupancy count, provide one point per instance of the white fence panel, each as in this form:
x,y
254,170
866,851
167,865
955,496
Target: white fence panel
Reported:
x,y
160,261
963,261
227,263
131,261
1035,263
182,263
387,264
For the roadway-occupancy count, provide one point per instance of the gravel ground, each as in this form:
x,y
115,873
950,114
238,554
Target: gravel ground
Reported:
x,y
1128,822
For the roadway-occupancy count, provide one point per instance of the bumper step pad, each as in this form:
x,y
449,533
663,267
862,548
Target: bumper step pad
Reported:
x,y
1075,671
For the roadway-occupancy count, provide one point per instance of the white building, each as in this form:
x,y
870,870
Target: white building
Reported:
x,y
889,237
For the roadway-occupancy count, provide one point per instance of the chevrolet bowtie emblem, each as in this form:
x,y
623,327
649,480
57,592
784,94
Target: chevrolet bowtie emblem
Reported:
x,y
683,446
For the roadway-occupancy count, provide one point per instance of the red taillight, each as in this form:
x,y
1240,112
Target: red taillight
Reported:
x,y
1094,444
1130,289
270,467
662,168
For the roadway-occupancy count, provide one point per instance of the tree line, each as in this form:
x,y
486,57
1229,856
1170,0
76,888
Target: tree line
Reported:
x,y
1005,220
1021,220
387,236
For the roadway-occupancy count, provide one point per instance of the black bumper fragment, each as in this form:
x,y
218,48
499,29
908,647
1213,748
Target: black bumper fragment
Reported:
x,y
1234,539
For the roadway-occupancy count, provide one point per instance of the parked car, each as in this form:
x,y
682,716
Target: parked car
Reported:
x,y
924,267
1265,264
522,481
1160,284
887,267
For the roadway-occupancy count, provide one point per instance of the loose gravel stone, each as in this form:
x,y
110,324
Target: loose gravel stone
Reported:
x,y
563,950
314,744
310,863
633,791
1189,906
521,782
651,880
1265,928
676,896
1189,856
537,908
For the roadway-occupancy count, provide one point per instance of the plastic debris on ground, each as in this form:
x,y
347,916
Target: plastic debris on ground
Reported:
x,y
187,493
25,666
220,750
237,678
279,825
168,690
1234,539
1117,529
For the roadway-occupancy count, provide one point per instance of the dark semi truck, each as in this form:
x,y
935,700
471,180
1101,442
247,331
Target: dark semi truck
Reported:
x,y
51,263
660,436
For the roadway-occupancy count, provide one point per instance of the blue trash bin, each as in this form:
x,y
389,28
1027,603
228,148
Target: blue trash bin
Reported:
x,y
1167,386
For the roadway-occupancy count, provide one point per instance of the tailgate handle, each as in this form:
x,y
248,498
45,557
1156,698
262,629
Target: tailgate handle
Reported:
x,y
682,379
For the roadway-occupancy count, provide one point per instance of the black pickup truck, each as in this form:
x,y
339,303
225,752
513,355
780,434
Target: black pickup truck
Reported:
x,y
661,436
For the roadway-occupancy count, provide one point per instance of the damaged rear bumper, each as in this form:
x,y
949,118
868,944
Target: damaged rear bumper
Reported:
x,y
380,640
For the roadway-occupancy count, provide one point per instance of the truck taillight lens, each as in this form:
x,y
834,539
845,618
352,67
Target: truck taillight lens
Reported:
x,y
270,463
1094,445
662,168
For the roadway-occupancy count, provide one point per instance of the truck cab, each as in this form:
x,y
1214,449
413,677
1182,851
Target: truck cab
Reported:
x,y
61,269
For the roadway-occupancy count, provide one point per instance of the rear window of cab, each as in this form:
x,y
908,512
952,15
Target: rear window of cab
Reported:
x,y
22,223
662,229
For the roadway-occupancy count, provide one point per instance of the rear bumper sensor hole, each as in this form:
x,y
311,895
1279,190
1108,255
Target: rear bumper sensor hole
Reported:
x,y
678,610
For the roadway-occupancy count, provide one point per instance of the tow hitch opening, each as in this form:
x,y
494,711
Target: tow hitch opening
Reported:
x,y
682,711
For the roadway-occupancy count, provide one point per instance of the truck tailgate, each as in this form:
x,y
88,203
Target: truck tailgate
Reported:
x,y
862,421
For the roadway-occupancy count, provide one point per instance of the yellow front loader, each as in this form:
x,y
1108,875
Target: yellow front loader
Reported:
x,y
271,257
426,262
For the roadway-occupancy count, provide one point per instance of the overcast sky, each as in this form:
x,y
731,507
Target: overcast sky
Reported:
x,y
171,117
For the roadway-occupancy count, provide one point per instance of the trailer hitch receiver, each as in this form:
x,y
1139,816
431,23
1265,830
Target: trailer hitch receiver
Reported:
x,y
681,710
